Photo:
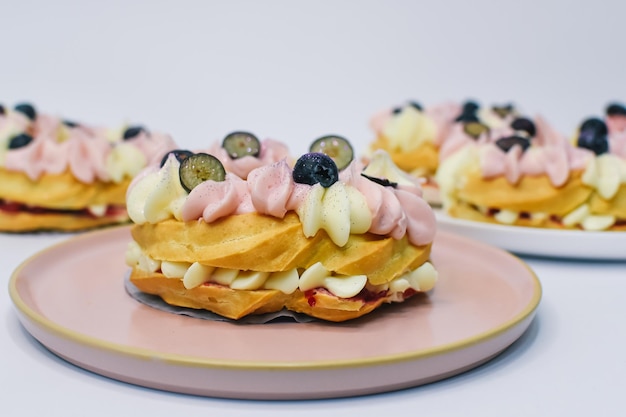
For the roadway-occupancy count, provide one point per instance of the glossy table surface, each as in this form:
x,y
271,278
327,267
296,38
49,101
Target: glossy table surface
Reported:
x,y
295,71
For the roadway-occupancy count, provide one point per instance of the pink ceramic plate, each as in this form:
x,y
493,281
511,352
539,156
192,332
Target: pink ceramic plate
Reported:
x,y
71,298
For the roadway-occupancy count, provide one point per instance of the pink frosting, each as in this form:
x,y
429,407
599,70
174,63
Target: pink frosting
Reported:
x,y
395,211
271,151
212,200
550,154
458,139
153,145
84,152
443,115
271,190
617,135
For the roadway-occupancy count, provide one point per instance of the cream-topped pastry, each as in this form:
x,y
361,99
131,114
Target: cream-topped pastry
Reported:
x,y
606,172
60,175
333,245
531,178
418,138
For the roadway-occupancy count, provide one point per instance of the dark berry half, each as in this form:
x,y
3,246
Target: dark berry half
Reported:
x,y
470,106
503,110
2,110
180,155
615,109
416,105
20,141
382,181
337,147
70,123
315,167
240,144
593,135
508,142
525,125
468,113
27,109
475,129
198,168
133,132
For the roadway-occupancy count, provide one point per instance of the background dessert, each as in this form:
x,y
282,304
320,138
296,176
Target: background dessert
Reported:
x,y
58,174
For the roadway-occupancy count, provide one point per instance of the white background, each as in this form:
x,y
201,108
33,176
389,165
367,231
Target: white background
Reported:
x,y
293,71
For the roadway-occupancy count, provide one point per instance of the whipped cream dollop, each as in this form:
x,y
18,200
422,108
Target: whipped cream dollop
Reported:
x,y
353,205
196,274
89,154
410,127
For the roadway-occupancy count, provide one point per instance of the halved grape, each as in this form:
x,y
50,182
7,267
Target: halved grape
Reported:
x,y
239,144
337,147
508,142
198,168
503,110
315,167
180,154
475,129
19,141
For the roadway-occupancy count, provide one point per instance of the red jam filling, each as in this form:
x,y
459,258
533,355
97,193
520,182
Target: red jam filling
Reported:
x,y
13,207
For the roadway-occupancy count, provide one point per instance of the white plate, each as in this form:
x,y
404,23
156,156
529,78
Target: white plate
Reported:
x,y
540,242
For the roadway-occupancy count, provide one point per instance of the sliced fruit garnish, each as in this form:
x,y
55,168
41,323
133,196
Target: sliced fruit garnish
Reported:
x,y
198,168
336,147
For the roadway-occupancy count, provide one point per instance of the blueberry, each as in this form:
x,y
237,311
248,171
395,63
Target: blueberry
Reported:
x,y
70,123
396,110
470,106
468,113
593,135
381,181
503,110
20,141
508,142
27,109
133,131
198,168
240,144
615,109
180,154
315,167
2,110
337,147
467,118
525,125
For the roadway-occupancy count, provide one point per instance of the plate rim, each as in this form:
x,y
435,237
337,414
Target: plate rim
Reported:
x,y
462,227
46,324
